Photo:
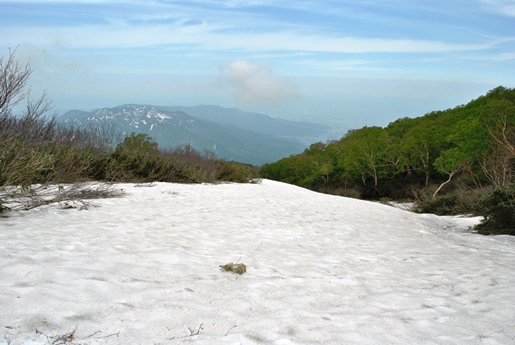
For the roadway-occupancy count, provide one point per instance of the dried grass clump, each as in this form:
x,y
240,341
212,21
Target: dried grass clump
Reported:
x,y
234,267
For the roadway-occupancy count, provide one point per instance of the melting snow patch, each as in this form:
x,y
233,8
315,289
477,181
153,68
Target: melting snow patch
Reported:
x,y
319,269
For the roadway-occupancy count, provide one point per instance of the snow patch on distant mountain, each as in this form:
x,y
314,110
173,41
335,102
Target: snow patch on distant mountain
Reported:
x,y
172,127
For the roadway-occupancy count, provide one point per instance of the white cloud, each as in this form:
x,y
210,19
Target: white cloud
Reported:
x,y
256,83
505,7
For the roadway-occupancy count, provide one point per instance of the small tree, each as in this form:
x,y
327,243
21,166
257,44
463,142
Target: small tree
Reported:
x,y
138,143
13,88
20,137
448,163
13,79
498,119
137,157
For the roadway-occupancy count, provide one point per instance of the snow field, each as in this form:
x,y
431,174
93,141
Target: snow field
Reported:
x,y
144,269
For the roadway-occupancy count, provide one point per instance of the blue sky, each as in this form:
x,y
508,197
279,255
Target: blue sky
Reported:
x,y
349,63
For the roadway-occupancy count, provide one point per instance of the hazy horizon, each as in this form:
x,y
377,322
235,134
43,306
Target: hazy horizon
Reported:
x,y
339,63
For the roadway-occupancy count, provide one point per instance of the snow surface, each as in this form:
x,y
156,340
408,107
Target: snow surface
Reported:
x,y
144,269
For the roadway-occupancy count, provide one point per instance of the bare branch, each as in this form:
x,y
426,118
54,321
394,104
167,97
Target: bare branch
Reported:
x,y
13,78
451,174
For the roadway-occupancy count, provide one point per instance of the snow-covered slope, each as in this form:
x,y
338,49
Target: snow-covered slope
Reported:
x,y
144,269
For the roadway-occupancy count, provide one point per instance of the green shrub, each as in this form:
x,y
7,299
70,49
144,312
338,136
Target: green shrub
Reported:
x,y
443,205
385,200
498,210
234,172
455,203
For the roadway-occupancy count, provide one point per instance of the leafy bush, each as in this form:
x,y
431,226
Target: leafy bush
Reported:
x,y
498,210
234,172
455,203
443,205
138,159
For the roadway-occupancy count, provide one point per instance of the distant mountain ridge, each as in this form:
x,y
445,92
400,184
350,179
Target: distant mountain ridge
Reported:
x,y
256,122
233,135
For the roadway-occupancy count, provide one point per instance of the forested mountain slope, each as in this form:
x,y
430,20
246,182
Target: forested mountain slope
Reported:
x,y
470,147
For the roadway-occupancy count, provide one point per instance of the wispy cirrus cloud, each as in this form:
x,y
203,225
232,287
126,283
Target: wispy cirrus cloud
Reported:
x,y
215,37
209,26
505,7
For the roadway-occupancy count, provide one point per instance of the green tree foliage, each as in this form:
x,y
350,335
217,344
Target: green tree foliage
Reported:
x,y
141,143
419,148
469,147
367,154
